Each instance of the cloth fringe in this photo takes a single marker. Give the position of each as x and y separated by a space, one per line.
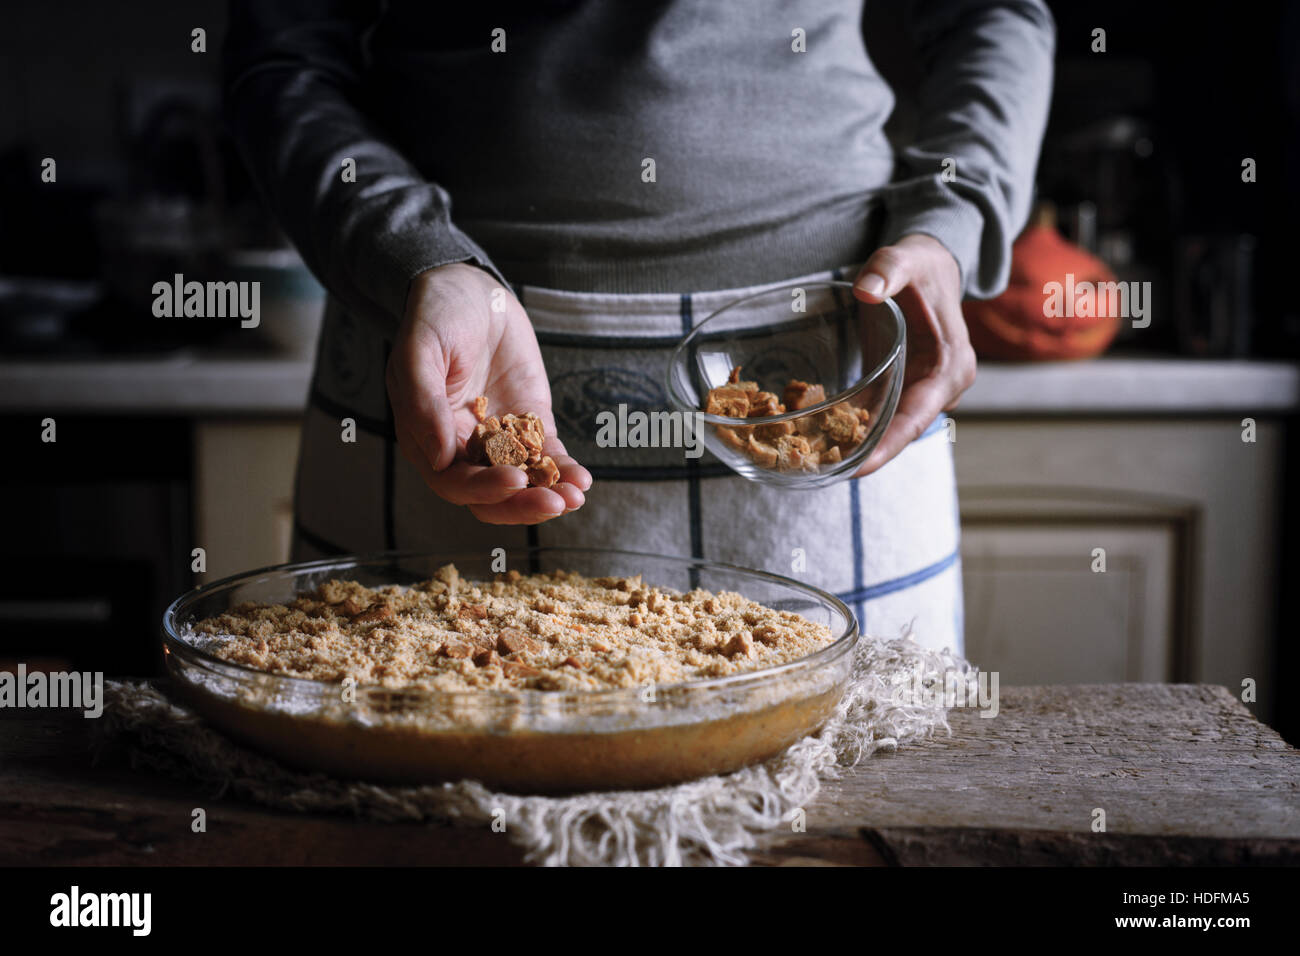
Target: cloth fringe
714 821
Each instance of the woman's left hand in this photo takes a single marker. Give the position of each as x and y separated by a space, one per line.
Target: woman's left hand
924 279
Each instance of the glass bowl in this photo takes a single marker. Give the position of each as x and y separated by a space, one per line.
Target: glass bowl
530 741
812 332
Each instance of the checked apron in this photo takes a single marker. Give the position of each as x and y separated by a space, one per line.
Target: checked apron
886 544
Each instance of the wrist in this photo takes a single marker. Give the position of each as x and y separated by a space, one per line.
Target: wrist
923 240
450 279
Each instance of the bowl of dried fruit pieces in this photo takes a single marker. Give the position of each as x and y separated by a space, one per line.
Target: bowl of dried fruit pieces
795 385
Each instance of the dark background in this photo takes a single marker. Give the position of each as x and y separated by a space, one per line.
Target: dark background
1183 93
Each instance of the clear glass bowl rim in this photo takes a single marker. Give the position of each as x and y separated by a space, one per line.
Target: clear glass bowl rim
840 645
678 358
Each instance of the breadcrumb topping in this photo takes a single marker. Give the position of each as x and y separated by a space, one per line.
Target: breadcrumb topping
553 631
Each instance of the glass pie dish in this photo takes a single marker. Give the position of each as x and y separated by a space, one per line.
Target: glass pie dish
531 741
828 367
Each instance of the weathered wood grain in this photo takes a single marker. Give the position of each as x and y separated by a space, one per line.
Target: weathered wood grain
1184 773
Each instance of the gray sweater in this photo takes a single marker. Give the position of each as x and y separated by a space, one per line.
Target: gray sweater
769 161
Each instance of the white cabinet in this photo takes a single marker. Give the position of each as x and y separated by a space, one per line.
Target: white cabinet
1037 613
1185 515
244 474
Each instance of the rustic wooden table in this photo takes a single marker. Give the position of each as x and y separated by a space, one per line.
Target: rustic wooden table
1184 774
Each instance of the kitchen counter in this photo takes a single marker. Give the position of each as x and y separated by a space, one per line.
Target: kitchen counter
179 383
194 384
1184 773
1110 386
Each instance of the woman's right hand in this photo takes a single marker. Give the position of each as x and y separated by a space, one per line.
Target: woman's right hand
465 335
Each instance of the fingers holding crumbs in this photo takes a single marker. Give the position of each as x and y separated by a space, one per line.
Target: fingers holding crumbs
518 441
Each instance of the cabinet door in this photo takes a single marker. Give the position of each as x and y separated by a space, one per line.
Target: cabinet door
1091 603
244 474
1190 485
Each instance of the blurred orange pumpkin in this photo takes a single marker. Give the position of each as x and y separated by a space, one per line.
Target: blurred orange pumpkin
1017 325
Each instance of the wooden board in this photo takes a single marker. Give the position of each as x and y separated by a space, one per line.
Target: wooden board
1184 773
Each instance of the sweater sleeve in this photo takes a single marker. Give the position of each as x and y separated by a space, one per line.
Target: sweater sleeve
292 79
967 177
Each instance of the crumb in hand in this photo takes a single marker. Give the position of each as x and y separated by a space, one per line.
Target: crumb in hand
515 440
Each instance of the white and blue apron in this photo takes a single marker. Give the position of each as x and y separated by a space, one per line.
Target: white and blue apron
886 544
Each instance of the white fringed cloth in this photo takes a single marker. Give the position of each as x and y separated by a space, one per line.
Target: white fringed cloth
713 821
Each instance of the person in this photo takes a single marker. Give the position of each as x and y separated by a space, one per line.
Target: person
619 171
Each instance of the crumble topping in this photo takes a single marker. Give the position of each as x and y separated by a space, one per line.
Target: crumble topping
552 631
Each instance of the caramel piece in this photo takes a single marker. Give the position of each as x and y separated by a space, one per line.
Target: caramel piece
808 426
773 430
732 439
734 379
528 431
764 454
840 424
503 448
763 404
792 453
802 395
516 669
544 474
456 650
376 612
728 403
511 640
738 644
516 440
